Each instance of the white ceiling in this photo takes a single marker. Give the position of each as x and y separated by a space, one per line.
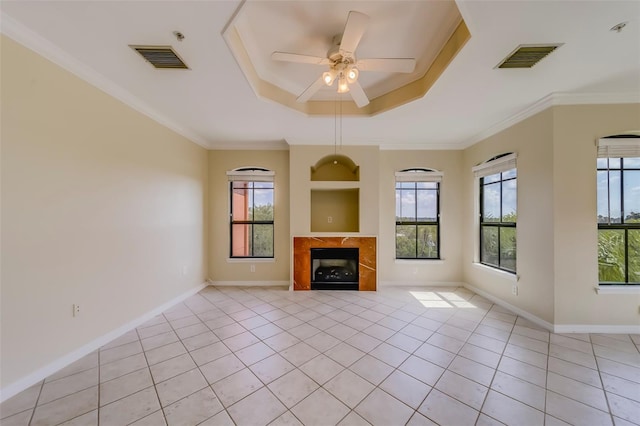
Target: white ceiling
214 105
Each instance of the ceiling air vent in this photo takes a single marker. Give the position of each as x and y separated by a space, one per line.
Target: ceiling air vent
161 57
527 55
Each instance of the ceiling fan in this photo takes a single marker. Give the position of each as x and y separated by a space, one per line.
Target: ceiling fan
343 65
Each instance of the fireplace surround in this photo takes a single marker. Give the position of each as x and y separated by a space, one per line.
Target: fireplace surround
303 271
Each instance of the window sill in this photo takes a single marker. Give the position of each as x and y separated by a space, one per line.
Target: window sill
251 259
618 289
418 261
502 274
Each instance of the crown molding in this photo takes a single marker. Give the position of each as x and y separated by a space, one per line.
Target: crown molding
33 41
251 146
553 99
432 146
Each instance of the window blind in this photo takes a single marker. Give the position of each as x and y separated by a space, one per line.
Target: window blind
419 176
498 165
250 176
618 147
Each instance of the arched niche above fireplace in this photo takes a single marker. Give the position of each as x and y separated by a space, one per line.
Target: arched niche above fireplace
335 167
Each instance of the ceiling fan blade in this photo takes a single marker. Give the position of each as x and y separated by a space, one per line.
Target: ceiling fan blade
358 95
357 24
311 90
405 65
302 59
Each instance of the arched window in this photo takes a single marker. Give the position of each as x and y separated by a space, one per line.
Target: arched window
251 216
418 213
498 211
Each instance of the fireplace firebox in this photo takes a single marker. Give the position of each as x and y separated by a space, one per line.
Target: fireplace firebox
334 269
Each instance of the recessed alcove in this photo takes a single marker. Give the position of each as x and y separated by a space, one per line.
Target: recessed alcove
334 168
335 210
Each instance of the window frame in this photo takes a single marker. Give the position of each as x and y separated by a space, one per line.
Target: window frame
422 175
622 225
250 175
499 164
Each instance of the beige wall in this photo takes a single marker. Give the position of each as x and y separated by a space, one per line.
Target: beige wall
576 128
221 269
302 158
404 272
101 207
532 140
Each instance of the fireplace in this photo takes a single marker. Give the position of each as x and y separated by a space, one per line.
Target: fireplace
303 273
334 268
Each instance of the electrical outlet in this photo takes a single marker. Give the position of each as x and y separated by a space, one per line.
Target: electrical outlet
252 268
76 310
514 290
329 219
184 270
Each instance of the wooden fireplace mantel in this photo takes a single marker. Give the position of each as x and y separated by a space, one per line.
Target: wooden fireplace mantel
302 259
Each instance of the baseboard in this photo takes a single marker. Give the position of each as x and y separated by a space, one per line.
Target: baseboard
58 364
249 283
529 316
559 328
596 328
420 284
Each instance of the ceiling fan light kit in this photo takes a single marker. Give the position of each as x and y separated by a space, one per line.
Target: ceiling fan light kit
342 62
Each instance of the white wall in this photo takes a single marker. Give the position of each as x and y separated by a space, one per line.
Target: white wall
422 272
101 207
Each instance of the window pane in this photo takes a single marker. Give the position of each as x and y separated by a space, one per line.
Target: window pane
407 206
398 205
632 163
614 163
427 241
509 174
427 185
240 237
601 163
634 255
491 178
508 248
240 204
406 185
263 185
489 245
427 206
405 241
614 195
509 201
263 240
631 192
611 248
263 204
603 197
491 203
241 184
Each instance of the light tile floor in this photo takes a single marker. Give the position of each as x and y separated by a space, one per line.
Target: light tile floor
422 356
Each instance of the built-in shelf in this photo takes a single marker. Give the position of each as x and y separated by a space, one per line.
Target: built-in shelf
335 210
335 195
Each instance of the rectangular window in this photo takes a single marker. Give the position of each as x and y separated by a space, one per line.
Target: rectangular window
618 201
418 214
498 212
251 224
